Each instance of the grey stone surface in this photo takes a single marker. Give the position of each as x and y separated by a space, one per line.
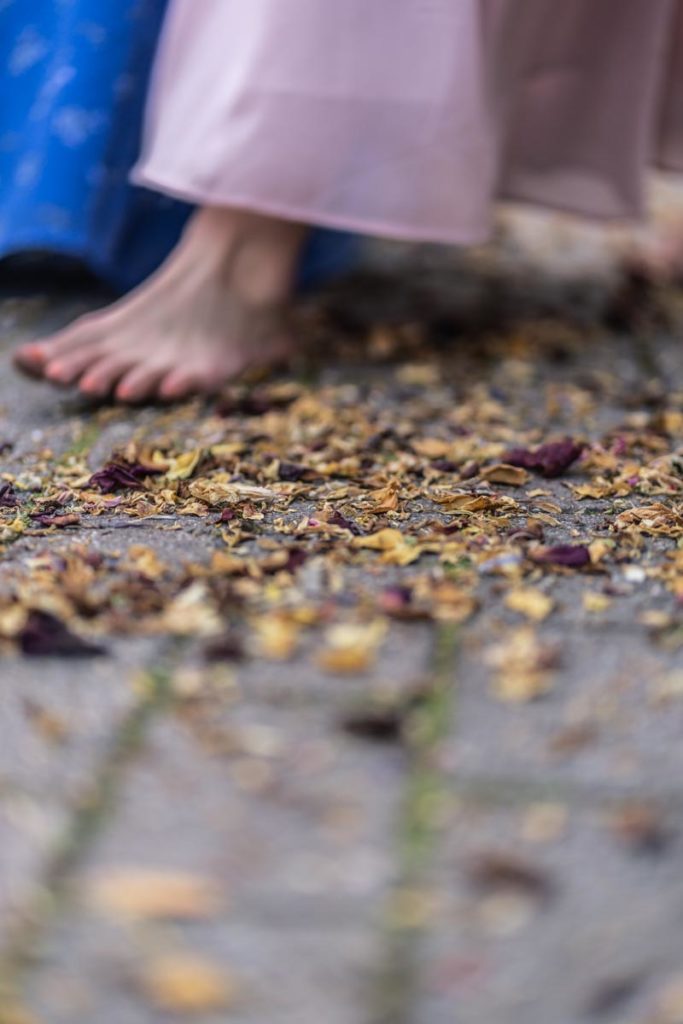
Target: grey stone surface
290 822
604 727
281 974
286 814
582 939
56 724
547 884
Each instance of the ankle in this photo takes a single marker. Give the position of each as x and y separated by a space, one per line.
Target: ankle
253 256
265 266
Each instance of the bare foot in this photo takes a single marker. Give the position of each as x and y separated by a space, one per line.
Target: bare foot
216 307
655 250
658 256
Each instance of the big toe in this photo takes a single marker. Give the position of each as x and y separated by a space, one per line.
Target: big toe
31 358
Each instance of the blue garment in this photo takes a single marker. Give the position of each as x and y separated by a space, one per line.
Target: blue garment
73 80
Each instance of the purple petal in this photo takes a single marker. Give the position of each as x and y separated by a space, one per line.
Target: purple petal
337 519
573 556
116 476
45 635
292 472
550 460
8 496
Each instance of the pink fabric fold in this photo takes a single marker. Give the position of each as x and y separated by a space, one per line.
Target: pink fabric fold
409 118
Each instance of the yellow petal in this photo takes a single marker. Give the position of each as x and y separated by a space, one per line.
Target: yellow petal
513 476
529 601
187 984
153 893
593 602
183 466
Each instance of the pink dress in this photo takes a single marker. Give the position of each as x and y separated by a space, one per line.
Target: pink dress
409 118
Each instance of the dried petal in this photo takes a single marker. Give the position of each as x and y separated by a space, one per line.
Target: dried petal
184 983
550 460
68 519
493 870
116 476
531 602
337 519
292 472
643 828
45 635
572 556
153 893
502 473
8 496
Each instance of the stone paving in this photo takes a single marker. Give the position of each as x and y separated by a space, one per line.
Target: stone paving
520 864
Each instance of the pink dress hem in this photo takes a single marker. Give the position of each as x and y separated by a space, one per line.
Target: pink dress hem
149 178
409 119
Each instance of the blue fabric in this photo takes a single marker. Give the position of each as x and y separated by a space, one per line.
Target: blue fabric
329 254
73 79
